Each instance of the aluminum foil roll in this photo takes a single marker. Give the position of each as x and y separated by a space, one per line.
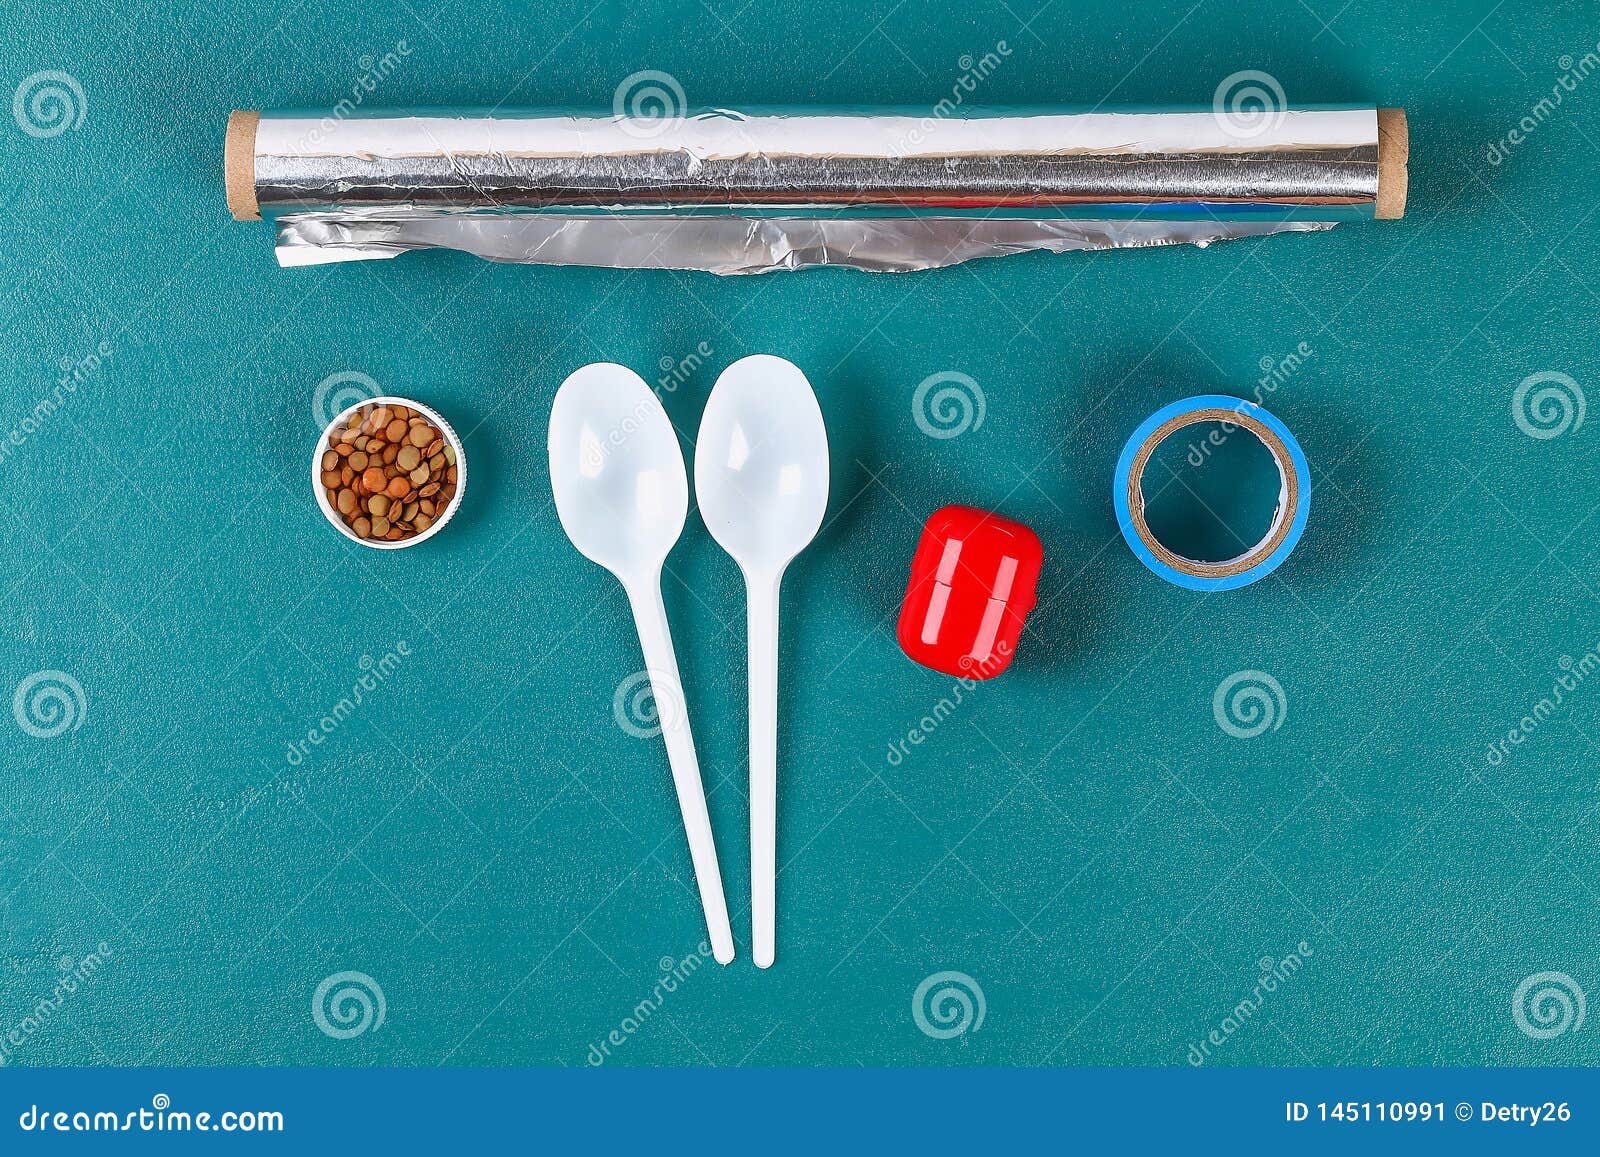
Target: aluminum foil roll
735 192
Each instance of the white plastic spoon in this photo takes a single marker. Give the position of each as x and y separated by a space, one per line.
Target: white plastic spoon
761 476
622 494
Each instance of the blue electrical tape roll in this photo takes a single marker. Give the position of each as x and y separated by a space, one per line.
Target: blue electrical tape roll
1288 521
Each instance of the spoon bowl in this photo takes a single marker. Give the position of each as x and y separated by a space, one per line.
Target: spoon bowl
616 470
761 463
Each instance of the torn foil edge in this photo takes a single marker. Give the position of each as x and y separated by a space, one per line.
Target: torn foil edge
731 245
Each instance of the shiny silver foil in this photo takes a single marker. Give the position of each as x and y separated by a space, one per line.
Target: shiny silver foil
750 193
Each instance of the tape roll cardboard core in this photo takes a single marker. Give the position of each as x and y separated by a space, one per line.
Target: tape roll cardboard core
1282 519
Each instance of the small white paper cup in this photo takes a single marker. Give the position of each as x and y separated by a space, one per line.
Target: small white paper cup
445 516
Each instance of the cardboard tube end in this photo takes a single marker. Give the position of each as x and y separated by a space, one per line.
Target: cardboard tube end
239 165
1394 151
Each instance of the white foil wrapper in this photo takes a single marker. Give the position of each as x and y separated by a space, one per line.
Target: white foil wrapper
734 192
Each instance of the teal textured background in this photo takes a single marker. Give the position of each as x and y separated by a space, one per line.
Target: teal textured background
1080 837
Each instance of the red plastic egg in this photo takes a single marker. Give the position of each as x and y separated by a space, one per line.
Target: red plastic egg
972 585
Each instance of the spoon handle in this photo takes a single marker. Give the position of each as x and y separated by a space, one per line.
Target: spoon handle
761 592
661 662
